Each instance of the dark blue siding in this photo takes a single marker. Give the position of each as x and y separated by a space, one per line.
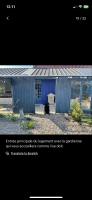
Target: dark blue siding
47 86
23 90
63 95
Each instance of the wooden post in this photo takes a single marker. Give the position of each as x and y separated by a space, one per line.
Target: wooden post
21 114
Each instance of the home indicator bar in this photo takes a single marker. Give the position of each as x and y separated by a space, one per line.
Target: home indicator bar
45 197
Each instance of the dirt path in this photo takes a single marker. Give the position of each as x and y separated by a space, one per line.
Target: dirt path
47 124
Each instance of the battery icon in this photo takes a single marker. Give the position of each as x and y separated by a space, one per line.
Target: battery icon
86 6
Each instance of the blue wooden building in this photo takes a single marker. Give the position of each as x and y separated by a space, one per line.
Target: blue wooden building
30 85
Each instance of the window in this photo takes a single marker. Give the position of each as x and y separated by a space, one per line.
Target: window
81 91
38 88
5 88
86 95
75 92
75 89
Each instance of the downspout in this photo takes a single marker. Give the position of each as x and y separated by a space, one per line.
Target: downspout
12 91
91 101
81 93
56 80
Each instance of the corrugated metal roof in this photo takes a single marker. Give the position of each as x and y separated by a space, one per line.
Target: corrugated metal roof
45 71
12 71
63 66
65 71
16 66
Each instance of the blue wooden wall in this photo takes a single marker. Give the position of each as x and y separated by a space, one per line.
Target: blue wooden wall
63 95
23 90
47 86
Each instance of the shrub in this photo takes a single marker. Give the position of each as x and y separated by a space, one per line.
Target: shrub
76 111
87 119
27 124
30 124
9 116
12 117
2 115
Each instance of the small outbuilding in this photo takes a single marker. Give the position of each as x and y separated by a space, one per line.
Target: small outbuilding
27 86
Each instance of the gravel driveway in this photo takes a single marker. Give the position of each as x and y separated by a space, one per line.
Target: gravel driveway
47 124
